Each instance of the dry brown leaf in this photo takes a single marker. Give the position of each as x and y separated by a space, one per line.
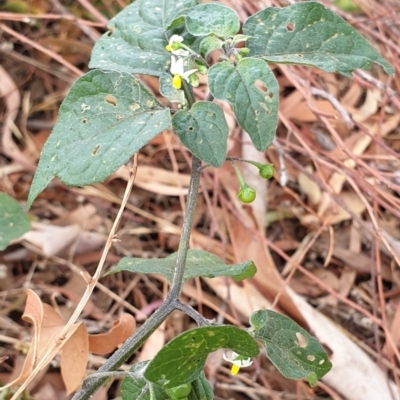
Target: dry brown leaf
306 286
85 216
157 180
74 291
353 202
74 358
53 240
309 187
295 107
47 324
105 343
47 329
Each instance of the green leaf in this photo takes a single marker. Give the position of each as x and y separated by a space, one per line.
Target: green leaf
209 44
183 358
212 19
251 89
168 91
204 131
293 351
105 119
180 392
135 386
310 34
137 38
198 263
201 389
13 220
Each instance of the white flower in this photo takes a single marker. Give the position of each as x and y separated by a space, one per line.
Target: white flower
178 71
237 361
174 46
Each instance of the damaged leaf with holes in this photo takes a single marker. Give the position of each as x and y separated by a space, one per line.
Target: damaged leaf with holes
293 351
204 131
310 34
137 37
212 19
252 90
182 360
104 120
135 386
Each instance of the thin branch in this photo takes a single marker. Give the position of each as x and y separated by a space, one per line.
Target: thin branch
170 303
179 267
192 313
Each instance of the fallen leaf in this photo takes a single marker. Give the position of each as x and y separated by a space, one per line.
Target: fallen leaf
74 356
309 187
47 324
105 343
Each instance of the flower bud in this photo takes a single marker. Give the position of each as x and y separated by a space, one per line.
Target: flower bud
201 67
244 51
193 80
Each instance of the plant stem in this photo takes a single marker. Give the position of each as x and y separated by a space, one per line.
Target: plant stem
125 351
191 312
169 305
172 301
242 182
179 267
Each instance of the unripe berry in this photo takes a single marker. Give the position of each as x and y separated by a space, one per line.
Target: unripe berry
266 171
247 194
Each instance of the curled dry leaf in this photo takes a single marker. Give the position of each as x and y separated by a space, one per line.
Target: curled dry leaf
74 358
105 343
75 344
46 340
47 326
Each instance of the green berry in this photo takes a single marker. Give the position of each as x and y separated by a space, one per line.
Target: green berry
266 171
247 194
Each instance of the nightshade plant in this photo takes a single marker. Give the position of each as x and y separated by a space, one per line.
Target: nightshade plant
109 115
